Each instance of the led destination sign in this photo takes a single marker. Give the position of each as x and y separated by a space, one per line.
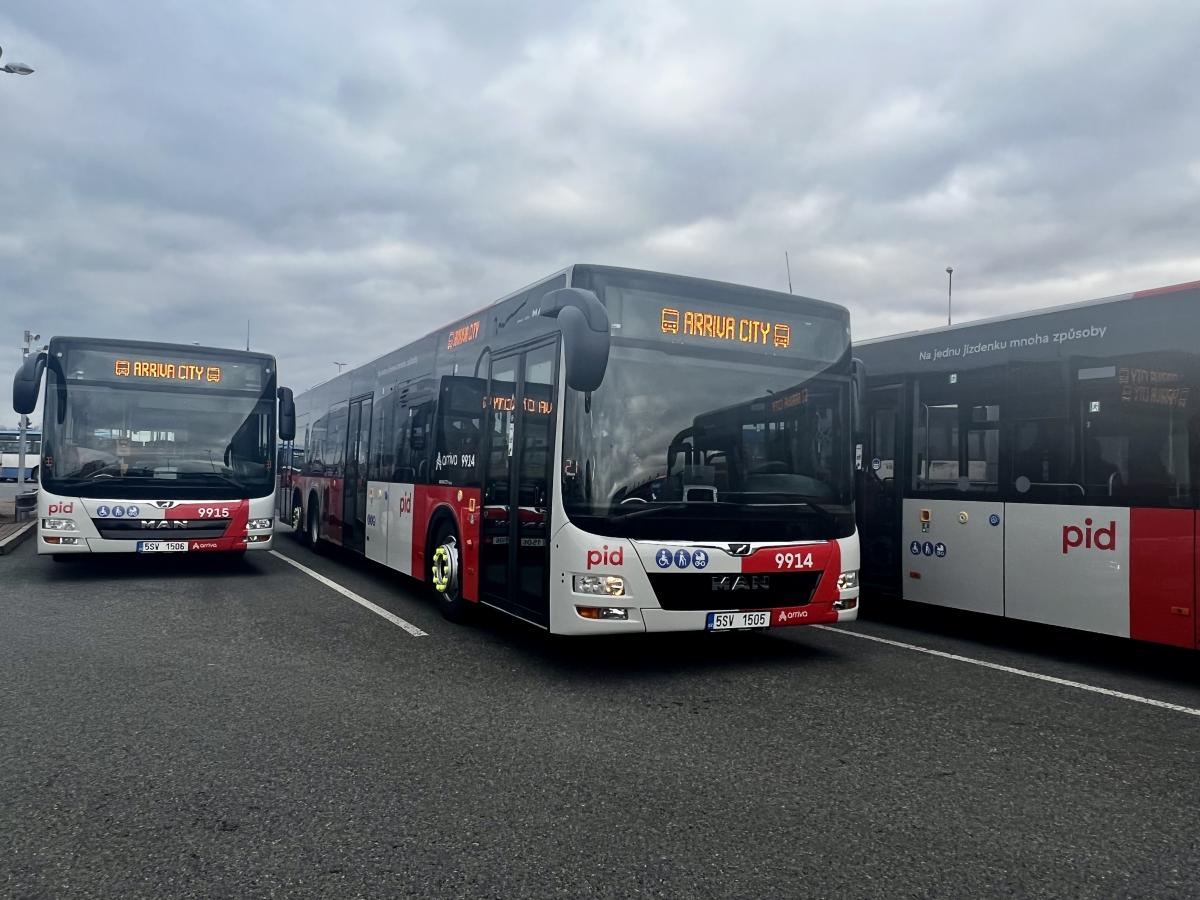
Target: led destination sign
782 333
739 329
124 368
165 370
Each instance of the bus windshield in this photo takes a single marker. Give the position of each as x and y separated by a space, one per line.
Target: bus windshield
678 446
156 438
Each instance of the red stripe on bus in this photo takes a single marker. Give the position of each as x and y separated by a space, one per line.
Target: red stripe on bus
235 532
1162 576
464 504
1170 289
826 559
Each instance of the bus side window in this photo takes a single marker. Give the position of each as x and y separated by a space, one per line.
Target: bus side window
1134 435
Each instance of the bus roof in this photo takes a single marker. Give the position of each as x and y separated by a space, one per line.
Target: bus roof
832 309
155 345
1029 314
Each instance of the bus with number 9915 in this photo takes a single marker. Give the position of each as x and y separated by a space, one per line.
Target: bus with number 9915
152 447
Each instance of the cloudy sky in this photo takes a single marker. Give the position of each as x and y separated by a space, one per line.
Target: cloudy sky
350 175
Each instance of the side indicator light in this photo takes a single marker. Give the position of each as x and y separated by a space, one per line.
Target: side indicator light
916 576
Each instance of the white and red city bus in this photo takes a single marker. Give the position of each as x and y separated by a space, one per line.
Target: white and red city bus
154 448
605 451
1042 466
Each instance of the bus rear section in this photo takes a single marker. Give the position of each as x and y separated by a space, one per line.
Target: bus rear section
701 479
1042 467
153 448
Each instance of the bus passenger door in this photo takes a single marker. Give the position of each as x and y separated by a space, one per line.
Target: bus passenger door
500 432
358 433
517 484
879 501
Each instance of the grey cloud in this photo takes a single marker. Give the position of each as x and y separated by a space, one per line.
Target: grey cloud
350 179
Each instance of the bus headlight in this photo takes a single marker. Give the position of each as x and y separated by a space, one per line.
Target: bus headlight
606 585
258 524
848 581
59 525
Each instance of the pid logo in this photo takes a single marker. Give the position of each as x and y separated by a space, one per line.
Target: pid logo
1092 539
406 506
65 509
606 557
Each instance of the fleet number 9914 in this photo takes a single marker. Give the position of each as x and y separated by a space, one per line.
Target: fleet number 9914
794 560
212 512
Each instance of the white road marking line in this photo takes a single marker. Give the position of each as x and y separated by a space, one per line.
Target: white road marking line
346 592
1120 695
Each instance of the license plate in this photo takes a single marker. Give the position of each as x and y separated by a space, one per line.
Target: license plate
162 546
738 620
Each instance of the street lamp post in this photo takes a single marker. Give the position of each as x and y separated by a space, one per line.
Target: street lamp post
15 68
949 290
24 424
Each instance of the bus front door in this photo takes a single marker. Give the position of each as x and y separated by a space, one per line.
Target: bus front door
516 526
880 503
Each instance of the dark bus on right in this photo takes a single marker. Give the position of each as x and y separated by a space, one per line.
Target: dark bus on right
1041 466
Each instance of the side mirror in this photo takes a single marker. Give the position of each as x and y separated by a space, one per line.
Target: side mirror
858 393
287 415
583 321
27 382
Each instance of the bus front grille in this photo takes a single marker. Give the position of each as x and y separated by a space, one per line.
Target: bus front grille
721 590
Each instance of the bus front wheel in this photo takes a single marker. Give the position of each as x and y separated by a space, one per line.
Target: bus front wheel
444 575
296 518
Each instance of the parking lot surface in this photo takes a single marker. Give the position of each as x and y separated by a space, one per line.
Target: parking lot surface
206 727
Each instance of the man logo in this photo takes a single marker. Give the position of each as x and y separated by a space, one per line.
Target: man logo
741 582
164 504
739 549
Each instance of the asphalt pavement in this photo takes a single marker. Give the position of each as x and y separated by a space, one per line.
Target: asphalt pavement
196 727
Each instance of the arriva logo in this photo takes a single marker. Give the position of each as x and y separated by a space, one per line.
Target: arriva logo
791 615
1092 539
615 557
66 509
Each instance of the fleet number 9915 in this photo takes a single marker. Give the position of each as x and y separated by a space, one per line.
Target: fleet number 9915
794 560
212 512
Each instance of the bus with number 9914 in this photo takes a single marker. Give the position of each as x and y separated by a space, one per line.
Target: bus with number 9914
605 451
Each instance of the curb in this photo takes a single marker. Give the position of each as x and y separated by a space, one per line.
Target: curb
10 543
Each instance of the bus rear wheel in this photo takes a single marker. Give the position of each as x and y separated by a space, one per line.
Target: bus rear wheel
444 575
312 534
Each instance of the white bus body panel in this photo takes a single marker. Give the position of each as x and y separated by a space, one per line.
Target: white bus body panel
397 529
1069 565
576 552
958 560
82 512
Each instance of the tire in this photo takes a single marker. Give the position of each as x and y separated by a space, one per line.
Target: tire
312 534
297 518
444 575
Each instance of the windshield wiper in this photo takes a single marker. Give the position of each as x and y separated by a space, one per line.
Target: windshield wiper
201 477
640 512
